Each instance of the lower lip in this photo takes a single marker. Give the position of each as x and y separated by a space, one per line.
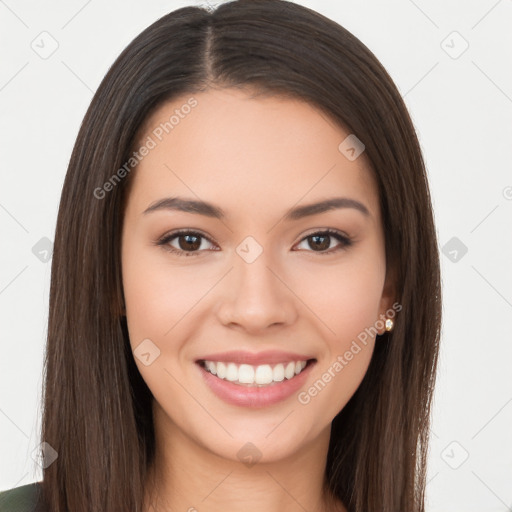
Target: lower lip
245 396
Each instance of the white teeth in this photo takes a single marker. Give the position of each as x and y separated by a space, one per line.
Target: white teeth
232 372
260 375
290 370
278 373
263 374
211 367
221 370
246 374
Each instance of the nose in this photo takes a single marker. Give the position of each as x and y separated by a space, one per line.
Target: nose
255 296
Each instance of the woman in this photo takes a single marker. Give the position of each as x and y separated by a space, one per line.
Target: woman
245 295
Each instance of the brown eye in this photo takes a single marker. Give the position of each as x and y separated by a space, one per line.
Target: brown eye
189 243
321 241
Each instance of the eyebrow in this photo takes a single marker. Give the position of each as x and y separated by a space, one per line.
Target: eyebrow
209 210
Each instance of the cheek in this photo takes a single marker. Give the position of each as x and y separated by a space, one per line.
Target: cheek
345 301
151 292
157 292
344 298
157 299
350 311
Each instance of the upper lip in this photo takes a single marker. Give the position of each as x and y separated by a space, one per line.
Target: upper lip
265 357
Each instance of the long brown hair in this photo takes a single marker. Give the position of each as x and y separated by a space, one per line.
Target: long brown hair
96 408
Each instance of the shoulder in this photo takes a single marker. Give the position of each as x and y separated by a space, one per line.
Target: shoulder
20 499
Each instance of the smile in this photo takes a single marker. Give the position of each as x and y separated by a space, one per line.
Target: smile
255 385
256 376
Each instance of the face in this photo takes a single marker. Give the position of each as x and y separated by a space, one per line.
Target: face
242 287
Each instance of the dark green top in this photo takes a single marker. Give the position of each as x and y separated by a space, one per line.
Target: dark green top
20 499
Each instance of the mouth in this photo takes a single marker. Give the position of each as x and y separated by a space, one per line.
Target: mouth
255 381
256 376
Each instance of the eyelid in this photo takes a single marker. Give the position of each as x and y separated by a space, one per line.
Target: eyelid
167 237
330 231
164 240
344 239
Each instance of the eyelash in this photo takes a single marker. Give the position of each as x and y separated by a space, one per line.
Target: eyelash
164 241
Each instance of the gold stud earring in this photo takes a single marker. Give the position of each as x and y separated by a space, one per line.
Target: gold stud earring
389 324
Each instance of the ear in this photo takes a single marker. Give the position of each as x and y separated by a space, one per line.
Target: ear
387 300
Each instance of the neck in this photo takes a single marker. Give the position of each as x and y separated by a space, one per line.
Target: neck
189 477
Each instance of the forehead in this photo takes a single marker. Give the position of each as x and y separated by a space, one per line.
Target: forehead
238 150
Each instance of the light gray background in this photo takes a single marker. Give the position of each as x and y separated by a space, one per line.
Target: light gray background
461 104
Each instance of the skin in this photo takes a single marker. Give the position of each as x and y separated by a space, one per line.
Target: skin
255 158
